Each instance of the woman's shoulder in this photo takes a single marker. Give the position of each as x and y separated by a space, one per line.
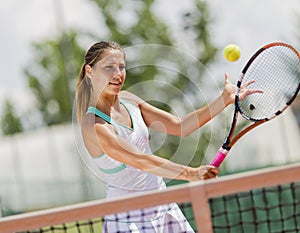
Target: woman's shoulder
89 133
89 121
130 97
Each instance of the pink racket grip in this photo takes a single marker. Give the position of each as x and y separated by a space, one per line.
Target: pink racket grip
219 157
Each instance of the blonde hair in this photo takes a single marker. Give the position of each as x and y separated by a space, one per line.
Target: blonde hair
84 86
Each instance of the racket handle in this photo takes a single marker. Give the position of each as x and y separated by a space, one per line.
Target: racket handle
219 157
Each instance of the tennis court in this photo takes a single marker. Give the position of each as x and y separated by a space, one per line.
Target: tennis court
265 200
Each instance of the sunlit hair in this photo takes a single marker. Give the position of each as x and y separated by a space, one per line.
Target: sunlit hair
84 86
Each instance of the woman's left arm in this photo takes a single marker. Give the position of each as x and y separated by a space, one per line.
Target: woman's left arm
163 121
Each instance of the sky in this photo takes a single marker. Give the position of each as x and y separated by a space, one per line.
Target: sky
250 24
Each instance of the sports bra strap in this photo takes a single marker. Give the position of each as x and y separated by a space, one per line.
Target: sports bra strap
98 113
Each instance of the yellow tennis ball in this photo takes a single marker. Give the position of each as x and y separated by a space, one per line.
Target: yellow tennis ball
232 52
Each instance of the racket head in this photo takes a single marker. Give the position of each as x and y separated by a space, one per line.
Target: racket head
276 71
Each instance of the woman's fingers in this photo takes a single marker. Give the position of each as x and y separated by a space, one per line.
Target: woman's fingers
208 171
245 92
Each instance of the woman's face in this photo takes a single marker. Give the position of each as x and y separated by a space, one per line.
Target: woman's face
108 75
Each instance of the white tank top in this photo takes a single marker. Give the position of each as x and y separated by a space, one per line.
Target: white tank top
120 178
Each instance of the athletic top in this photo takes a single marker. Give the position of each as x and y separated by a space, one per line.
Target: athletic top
120 178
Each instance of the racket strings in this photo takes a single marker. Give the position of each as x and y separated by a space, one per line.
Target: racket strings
276 71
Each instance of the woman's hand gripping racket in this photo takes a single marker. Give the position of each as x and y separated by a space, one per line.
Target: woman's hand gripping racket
276 71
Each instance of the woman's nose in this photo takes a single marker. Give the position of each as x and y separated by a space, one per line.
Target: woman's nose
118 71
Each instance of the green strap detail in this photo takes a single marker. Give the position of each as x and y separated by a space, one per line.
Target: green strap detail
113 170
107 118
99 156
97 112
129 116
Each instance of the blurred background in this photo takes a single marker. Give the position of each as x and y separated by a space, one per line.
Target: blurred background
43 45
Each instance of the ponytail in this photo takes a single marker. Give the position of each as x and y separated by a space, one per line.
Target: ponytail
83 94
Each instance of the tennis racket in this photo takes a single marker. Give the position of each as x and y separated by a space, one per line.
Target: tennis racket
276 70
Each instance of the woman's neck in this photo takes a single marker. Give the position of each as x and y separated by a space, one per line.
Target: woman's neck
105 104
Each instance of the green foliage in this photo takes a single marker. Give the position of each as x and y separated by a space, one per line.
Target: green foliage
10 123
197 25
144 26
57 63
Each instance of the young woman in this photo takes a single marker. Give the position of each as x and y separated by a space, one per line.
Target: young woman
114 128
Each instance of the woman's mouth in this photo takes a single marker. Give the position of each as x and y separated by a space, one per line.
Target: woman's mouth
115 83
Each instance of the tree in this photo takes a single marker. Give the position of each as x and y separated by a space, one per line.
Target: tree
52 76
10 122
197 23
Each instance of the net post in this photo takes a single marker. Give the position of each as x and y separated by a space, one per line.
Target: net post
201 208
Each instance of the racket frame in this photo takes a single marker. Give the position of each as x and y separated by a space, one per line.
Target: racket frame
230 141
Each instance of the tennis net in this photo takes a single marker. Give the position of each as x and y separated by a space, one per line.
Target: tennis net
265 200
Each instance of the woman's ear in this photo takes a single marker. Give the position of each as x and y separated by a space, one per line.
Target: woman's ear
88 71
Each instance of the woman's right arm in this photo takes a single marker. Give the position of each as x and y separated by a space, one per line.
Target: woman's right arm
123 151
